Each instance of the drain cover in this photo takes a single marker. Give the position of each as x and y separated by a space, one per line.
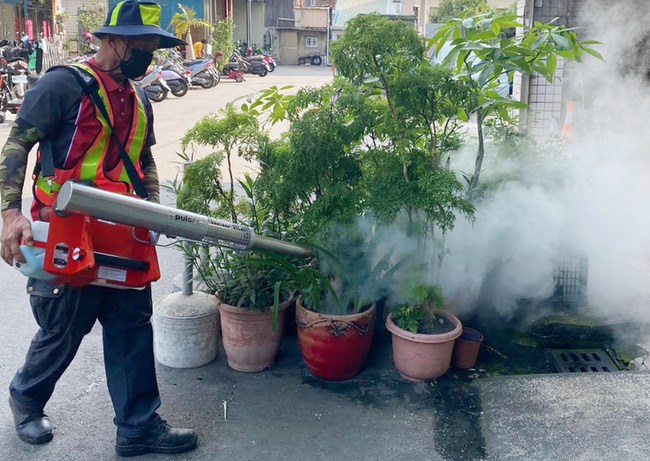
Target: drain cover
583 361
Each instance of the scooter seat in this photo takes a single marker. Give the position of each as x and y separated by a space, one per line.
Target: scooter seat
191 63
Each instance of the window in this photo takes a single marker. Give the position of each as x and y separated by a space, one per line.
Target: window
311 42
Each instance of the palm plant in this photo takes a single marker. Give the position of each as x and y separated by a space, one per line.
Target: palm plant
183 24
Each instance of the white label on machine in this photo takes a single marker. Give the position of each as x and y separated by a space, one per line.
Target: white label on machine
61 252
19 78
110 273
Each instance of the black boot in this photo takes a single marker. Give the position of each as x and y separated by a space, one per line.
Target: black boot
160 439
33 426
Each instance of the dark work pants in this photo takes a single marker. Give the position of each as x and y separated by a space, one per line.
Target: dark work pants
65 315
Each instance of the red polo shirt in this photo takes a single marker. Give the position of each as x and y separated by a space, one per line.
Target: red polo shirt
122 99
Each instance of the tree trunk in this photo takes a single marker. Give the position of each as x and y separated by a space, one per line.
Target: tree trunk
189 48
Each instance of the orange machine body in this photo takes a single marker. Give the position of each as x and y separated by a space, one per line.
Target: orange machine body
82 250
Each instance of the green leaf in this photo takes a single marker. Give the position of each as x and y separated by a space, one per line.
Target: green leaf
538 41
276 305
561 41
462 115
551 63
496 28
594 53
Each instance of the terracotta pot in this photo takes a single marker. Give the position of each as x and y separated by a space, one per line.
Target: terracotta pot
420 356
334 347
250 343
466 349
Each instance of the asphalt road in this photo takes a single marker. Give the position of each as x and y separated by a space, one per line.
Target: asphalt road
174 116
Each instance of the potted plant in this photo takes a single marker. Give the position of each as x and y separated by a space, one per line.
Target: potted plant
253 295
423 338
253 301
335 321
336 306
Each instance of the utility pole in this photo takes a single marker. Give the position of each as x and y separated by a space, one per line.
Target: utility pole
249 23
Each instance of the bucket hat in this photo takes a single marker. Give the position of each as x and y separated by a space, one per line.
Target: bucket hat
131 18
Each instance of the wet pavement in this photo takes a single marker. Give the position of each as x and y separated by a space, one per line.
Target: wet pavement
284 413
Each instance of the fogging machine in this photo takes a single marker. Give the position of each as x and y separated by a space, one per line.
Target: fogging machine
104 238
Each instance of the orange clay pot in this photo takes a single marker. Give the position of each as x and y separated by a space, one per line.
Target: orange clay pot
466 349
248 338
418 357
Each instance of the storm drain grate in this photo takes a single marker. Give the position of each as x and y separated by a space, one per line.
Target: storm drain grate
583 361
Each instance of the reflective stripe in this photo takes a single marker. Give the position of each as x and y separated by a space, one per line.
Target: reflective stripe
92 162
137 136
116 13
150 14
44 185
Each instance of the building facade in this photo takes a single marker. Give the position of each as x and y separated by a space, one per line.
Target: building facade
25 17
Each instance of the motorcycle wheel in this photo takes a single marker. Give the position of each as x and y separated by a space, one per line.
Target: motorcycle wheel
3 101
209 80
270 67
158 93
216 77
180 89
261 71
316 60
2 117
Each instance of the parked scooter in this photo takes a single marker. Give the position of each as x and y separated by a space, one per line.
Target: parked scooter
201 71
19 78
154 85
270 63
177 83
239 64
14 81
265 58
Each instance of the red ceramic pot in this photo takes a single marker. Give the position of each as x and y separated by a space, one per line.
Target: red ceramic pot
334 347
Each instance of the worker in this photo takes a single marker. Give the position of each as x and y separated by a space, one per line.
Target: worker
199 48
105 140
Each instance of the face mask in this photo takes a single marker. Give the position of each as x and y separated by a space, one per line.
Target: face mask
136 66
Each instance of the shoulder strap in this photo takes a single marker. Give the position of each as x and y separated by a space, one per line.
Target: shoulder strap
90 86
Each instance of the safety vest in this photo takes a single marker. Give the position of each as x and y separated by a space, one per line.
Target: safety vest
92 166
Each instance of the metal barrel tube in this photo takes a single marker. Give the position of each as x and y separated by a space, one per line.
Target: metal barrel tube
279 246
83 199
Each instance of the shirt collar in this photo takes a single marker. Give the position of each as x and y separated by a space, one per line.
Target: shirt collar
110 84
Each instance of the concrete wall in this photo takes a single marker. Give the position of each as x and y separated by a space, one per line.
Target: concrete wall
287 46
257 21
312 18
293 45
277 9
319 36
7 21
